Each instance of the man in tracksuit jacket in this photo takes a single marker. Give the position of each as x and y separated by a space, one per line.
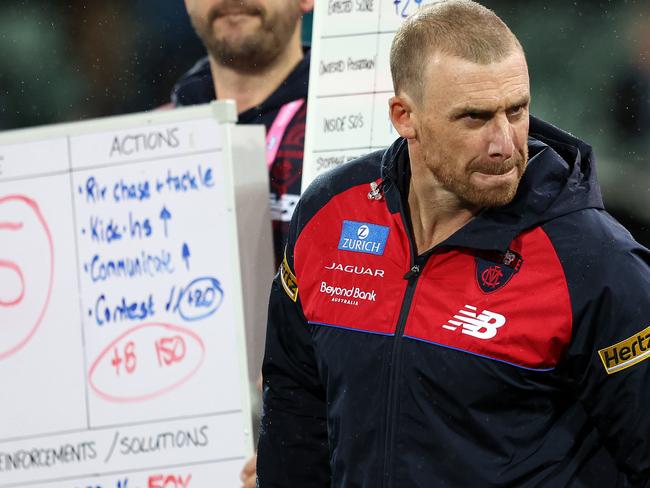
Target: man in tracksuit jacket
443 317
255 57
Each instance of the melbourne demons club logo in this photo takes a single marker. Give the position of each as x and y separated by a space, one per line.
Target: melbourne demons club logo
494 269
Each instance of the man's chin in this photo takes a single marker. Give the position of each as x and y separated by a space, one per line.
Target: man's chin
494 190
494 197
245 53
491 196
236 30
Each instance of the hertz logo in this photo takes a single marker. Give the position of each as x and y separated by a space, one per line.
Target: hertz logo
626 353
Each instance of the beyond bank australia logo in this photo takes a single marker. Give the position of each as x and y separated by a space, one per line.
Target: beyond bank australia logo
363 237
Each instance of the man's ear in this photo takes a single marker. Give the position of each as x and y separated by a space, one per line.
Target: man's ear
400 110
306 5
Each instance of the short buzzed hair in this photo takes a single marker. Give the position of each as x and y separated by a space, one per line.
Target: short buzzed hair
461 28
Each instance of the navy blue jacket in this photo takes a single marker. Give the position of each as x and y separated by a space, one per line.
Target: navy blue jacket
285 174
511 354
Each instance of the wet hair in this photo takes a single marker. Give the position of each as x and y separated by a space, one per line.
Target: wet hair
461 28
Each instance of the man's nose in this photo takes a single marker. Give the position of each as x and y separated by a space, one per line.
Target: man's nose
501 139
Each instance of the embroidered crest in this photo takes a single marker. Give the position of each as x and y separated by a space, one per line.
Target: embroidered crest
494 270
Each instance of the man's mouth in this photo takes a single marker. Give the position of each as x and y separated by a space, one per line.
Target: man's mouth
235 10
231 13
484 179
494 170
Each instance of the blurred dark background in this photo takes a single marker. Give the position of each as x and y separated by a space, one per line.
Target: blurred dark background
589 62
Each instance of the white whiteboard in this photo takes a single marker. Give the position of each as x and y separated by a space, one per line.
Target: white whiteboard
123 297
349 80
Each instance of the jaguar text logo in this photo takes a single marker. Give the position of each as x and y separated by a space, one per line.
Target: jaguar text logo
354 269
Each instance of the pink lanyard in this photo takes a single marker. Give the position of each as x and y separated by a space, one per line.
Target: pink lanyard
279 127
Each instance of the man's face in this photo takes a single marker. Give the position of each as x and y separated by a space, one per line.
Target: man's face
473 127
246 35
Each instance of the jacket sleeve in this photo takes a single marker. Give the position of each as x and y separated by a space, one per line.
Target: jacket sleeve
293 446
609 356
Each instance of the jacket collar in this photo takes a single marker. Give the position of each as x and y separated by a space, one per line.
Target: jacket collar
559 179
197 87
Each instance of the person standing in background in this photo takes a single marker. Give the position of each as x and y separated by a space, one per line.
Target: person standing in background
256 58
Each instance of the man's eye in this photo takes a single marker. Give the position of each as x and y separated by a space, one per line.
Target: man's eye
477 115
516 110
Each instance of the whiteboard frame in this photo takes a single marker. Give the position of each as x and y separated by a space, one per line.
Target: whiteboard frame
240 144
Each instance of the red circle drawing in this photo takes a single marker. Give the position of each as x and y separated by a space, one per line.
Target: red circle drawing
167 380
6 350
16 269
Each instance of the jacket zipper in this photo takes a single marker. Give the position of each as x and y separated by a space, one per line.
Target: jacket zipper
412 275
391 412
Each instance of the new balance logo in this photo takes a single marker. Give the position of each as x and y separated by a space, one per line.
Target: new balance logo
483 325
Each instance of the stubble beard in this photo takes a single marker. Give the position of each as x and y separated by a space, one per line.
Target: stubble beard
254 52
458 182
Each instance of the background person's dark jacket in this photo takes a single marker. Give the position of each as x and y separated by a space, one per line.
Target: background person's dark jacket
197 87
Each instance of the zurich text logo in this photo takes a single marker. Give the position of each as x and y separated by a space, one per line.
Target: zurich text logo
363 237
363 231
